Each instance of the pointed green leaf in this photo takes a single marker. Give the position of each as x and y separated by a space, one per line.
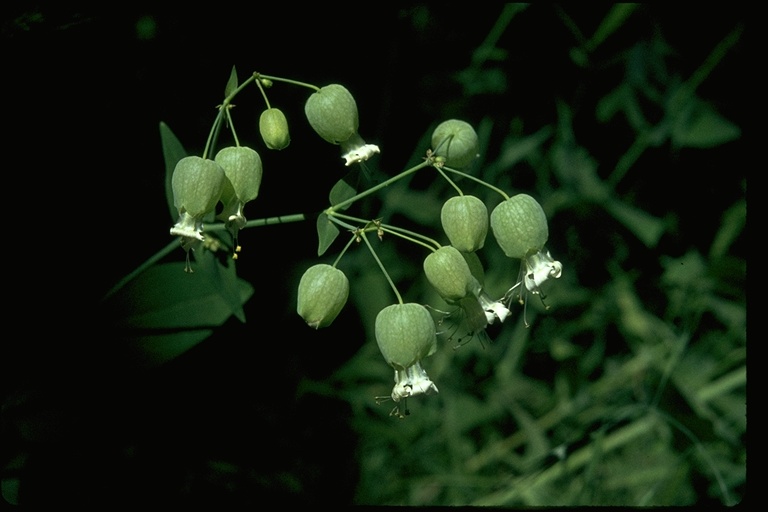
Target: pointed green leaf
232 83
173 151
166 297
224 279
326 233
343 189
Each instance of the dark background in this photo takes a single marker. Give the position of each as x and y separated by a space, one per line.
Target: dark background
85 91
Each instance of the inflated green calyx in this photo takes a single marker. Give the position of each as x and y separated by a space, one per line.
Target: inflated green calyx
465 222
197 184
332 113
448 271
323 292
519 226
456 141
273 127
243 168
406 334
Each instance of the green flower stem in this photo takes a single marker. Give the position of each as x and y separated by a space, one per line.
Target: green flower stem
263 93
478 180
381 266
386 183
232 127
406 234
285 80
172 246
224 107
344 250
214 133
266 221
411 236
449 180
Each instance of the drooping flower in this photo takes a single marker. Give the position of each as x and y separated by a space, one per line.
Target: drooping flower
406 334
448 271
332 113
520 227
197 184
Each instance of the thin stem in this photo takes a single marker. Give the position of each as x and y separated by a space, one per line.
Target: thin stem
478 180
344 250
224 107
172 246
266 221
401 232
449 180
214 133
263 93
381 266
411 236
232 127
285 80
386 183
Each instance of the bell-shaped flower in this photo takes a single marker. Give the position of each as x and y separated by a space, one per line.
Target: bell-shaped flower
520 227
406 334
197 184
243 170
332 113
449 272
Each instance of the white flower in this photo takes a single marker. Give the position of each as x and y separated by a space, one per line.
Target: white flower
409 382
412 381
539 267
355 150
188 227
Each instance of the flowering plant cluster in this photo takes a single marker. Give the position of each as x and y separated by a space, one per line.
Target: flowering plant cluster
210 192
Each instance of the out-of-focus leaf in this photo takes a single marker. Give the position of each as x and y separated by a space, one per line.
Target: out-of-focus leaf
422 207
733 223
647 228
576 168
516 149
611 23
166 297
482 81
703 127
173 151
326 233
612 103
155 349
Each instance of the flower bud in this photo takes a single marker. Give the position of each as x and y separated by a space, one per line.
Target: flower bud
323 291
273 127
406 334
242 166
465 222
520 226
332 113
456 141
448 271
196 183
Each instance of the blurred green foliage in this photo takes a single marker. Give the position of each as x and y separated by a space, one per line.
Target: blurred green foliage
646 398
